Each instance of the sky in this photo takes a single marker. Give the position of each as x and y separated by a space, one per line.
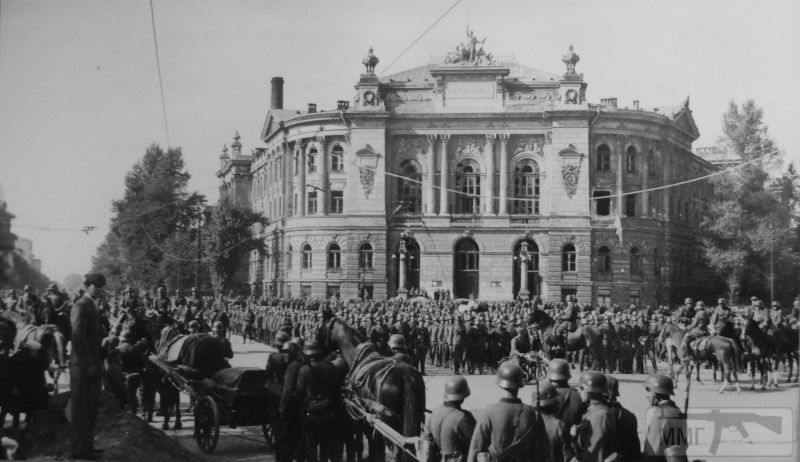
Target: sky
80 102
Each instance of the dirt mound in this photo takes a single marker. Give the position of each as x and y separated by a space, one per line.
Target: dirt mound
121 435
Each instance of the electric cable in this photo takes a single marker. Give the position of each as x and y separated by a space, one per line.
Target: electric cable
160 78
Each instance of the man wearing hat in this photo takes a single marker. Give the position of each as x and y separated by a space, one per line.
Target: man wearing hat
666 432
449 428
85 366
595 437
546 398
628 437
317 387
570 404
508 430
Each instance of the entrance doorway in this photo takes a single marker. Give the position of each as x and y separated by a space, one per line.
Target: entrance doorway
466 267
534 280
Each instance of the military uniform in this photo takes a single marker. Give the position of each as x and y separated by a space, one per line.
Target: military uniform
627 434
507 423
449 429
316 385
667 428
570 407
596 434
290 411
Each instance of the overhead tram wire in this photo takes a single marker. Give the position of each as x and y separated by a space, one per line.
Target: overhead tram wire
160 78
386 69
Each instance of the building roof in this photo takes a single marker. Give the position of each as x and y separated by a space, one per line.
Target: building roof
517 72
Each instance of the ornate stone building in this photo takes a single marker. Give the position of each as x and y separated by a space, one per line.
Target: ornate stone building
468 172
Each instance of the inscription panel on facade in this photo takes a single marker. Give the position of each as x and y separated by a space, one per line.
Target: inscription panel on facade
470 90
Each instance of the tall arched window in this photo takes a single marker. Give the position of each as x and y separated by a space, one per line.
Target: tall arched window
312 160
603 161
603 260
468 184
307 256
409 191
630 160
289 258
337 158
334 256
365 256
526 187
636 261
569 258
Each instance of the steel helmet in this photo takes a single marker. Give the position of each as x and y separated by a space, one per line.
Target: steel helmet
218 327
660 384
456 389
397 341
546 394
510 376
194 325
594 382
280 339
291 347
613 386
312 348
559 369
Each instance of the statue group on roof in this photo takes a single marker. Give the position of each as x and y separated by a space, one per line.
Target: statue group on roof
470 52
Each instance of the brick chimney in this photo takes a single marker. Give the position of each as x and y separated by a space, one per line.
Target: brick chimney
610 103
342 104
312 108
276 93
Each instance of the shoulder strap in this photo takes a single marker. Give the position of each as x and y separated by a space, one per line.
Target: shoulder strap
517 442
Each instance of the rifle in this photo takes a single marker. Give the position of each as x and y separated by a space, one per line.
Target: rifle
736 420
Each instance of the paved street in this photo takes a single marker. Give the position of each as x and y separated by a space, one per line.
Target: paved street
244 444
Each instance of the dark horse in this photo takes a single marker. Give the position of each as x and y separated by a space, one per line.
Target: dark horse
585 340
759 351
393 390
722 349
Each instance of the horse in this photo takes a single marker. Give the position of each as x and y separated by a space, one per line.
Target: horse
759 349
393 390
47 337
714 347
585 340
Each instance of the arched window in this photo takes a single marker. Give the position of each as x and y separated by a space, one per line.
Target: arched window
307 256
603 160
468 184
337 158
409 193
603 260
630 160
636 261
334 256
365 256
526 187
569 258
312 160
289 258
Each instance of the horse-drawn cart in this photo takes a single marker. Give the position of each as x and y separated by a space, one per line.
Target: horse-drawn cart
234 397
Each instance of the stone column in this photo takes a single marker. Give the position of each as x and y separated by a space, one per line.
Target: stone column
503 173
620 154
322 194
645 181
401 270
524 259
302 189
430 191
444 195
488 190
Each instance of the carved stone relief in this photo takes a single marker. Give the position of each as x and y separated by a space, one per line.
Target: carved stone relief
410 146
533 143
470 145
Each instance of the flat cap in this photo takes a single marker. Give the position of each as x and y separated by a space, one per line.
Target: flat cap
95 279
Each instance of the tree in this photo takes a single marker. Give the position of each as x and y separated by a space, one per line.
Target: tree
156 207
230 240
746 223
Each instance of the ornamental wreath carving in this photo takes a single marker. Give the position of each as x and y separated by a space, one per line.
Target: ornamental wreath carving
570 174
367 176
367 166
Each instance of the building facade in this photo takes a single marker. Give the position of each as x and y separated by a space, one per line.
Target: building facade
480 176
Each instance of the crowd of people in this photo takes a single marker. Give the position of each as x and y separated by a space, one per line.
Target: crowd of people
111 334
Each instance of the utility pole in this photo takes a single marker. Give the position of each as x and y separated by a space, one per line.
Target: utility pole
199 250
771 261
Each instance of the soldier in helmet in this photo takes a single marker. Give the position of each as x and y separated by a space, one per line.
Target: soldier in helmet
508 430
570 404
449 428
698 328
547 399
317 386
665 436
595 437
290 407
685 313
628 437
218 332
397 343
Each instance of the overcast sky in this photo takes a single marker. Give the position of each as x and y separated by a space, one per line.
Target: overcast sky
79 98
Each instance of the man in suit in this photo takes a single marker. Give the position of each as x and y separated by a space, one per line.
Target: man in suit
85 367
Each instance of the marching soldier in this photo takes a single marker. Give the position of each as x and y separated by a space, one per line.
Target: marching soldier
449 428
627 435
458 342
508 430
570 404
666 430
218 332
316 386
547 398
595 437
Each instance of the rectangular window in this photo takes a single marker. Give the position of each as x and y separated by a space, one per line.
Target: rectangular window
635 299
312 163
630 205
305 290
337 201
602 203
311 208
604 300
333 290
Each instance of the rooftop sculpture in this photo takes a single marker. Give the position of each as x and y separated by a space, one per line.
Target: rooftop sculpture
470 52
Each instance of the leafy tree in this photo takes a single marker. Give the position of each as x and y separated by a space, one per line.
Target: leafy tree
230 241
155 208
747 225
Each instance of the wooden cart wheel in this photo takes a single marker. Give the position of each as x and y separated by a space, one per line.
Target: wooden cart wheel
269 434
206 424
